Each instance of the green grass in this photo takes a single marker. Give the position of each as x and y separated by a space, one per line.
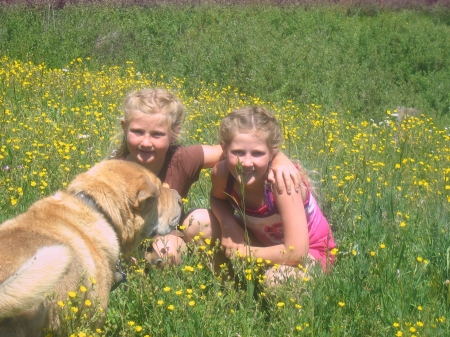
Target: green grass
344 58
384 185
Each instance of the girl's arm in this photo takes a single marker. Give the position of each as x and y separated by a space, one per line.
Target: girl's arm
295 231
232 235
212 155
283 173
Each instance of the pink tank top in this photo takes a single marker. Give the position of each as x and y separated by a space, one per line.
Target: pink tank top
265 223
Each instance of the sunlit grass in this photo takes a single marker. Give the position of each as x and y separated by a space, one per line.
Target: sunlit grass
383 184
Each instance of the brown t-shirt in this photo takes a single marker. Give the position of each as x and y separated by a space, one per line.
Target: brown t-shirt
182 167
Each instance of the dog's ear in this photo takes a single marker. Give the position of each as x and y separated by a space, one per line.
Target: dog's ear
148 188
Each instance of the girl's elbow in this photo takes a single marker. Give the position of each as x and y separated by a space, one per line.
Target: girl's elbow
297 255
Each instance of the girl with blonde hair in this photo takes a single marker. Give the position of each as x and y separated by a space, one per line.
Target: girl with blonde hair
152 122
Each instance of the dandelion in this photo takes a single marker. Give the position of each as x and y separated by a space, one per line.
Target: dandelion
191 303
399 334
188 268
341 304
298 328
160 302
138 328
72 294
166 289
334 251
61 304
419 259
382 246
171 307
74 309
88 303
83 289
131 323
373 253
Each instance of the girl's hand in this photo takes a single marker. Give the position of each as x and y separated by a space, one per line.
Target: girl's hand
230 247
284 175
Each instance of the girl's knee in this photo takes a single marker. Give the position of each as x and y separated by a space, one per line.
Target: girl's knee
199 222
167 250
280 274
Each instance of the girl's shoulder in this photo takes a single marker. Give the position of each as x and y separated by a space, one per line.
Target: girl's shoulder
219 177
302 195
189 153
220 170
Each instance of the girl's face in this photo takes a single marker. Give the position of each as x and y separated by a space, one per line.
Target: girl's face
148 140
253 154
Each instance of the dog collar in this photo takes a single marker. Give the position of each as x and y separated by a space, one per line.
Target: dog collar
119 275
89 201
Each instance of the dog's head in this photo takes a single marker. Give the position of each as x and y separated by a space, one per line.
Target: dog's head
133 198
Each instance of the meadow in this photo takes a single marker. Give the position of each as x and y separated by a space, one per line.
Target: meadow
382 173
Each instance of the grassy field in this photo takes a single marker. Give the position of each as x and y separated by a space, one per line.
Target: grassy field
383 180
363 59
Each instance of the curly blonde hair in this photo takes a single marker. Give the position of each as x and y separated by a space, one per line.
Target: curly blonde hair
151 101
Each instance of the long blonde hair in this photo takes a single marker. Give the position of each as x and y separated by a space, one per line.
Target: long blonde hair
150 101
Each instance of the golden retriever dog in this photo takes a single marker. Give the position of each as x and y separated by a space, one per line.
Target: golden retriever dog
74 238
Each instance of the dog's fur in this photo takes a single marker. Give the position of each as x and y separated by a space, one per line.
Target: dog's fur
74 238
